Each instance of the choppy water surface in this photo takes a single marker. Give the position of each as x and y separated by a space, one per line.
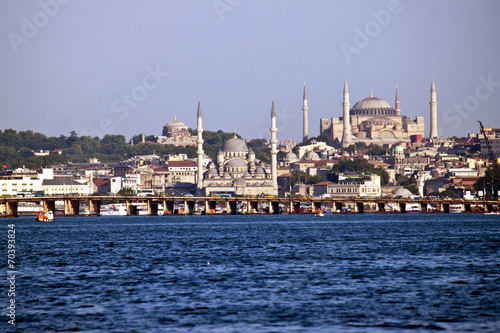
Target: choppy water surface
343 273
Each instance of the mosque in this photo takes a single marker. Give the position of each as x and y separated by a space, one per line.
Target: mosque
176 133
373 120
236 169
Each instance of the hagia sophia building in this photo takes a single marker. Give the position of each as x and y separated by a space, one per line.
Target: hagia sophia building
373 120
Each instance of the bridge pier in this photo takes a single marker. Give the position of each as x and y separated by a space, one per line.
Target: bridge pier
337 206
401 207
49 205
295 207
153 208
189 206
488 208
11 209
210 206
274 207
315 206
359 207
168 207
95 207
232 207
253 206
71 207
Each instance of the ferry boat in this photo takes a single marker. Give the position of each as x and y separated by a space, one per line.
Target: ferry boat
455 208
45 216
114 209
412 208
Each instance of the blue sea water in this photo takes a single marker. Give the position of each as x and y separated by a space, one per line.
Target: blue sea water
291 273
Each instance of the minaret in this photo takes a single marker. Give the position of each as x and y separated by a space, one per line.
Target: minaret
433 104
346 137
199 141
274 151
304 109
398 110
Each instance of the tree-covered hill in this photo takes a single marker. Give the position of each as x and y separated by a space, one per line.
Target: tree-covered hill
18 149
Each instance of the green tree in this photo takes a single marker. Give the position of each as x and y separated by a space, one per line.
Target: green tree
26 152
358 165
448 194
490 182
409 183
350 149
126 191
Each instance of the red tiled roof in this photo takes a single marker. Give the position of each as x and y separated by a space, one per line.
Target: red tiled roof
178 164
101 182
285 175
325 183
160 169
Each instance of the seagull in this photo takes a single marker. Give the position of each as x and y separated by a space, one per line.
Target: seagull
208 262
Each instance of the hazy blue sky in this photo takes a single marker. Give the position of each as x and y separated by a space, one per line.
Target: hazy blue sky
128 67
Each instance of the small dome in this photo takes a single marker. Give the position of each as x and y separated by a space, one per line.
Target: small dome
311 156
211 172
239 182
291 157
402 192
236 162
235 144
398 149
260 171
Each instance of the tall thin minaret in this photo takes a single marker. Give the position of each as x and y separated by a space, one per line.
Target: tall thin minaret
433 104
199 141
304 109
346 137
274 151
398 110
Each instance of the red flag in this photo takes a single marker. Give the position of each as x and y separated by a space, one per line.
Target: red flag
5 166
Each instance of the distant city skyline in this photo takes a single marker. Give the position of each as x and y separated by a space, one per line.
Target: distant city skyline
130 67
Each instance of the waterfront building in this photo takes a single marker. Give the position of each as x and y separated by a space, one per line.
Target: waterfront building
351 186
182 171
19 181
66 186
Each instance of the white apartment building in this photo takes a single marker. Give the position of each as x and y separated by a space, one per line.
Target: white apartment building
353 186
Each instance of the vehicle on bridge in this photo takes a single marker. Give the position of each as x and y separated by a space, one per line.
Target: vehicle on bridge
223 194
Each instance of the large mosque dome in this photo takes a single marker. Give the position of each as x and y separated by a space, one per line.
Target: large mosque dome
372 106
176 125
235 144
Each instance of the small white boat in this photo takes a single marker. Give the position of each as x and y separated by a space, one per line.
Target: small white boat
493 213
319 213
45 216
